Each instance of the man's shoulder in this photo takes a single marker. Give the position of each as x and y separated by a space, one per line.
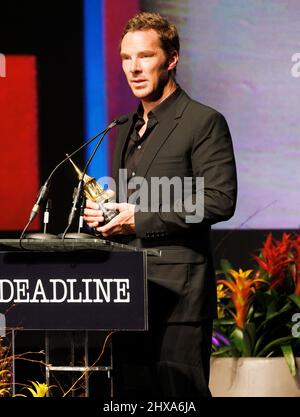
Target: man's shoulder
199 113
200 107
185 105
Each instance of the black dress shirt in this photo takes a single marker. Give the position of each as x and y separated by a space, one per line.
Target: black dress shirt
136 144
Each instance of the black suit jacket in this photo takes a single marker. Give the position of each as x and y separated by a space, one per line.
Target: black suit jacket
193 140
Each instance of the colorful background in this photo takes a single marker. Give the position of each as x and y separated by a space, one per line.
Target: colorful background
64 83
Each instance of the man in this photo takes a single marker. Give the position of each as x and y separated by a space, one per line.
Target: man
170 135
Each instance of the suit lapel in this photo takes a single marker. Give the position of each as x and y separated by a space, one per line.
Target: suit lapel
161 134
122 135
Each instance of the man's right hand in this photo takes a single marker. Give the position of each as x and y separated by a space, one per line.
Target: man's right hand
92 215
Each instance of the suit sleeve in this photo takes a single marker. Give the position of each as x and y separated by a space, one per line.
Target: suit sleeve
213 193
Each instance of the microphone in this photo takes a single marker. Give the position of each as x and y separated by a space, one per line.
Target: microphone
41 196
76 196
46 214
77 191
43 192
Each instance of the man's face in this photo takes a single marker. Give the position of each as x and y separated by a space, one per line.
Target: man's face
145 64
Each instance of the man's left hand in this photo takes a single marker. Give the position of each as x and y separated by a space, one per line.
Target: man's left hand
122 224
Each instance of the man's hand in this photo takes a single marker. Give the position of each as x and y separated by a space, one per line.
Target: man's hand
122 224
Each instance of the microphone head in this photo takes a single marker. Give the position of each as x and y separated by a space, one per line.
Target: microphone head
121 120
118 121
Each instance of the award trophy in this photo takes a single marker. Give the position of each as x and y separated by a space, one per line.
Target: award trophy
94 192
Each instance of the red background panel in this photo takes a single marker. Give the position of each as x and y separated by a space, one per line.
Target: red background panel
18 142
120 99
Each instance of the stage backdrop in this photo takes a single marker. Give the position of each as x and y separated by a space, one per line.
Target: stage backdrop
61 82
243 58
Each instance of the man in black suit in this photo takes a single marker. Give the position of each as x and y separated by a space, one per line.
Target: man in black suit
169 137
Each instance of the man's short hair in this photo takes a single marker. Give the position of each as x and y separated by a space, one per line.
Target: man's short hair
167 32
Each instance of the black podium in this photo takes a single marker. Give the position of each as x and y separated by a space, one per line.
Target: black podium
72 287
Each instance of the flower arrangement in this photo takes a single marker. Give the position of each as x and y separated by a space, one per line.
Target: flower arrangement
258 309
39 389
6 370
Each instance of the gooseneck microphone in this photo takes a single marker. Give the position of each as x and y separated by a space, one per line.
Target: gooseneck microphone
43 192
78 189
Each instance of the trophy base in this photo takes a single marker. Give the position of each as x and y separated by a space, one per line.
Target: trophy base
76 236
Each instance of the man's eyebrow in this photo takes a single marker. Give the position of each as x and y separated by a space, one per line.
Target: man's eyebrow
143 52
147 51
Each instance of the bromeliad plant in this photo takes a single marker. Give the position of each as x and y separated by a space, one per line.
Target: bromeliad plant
5 370
256 307
39 389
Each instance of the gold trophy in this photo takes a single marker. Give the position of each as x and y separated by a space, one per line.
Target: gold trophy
94 192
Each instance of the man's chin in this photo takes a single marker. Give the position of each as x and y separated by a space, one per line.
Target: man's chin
140 92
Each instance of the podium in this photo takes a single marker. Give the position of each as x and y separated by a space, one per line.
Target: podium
75 286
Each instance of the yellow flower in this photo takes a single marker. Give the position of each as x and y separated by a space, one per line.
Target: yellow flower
221 293
221 312
40 389
241 289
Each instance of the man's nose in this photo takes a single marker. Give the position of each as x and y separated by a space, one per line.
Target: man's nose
135 65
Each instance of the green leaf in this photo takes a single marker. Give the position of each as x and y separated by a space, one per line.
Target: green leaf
249 338
243 339
258 344
289 358
274 316
237 338
224 351
296 299
225 322
274 343
274 328
271 309
225 265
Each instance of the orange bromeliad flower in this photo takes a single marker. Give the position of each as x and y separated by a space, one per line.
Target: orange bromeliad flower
242 287
275 258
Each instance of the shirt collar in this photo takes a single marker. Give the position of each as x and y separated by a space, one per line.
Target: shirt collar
160 110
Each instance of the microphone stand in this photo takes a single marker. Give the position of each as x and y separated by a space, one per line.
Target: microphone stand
108 214
78 234
77 195
80 221
44 235
43 192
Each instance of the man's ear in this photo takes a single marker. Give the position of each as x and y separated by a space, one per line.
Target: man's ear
173 60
